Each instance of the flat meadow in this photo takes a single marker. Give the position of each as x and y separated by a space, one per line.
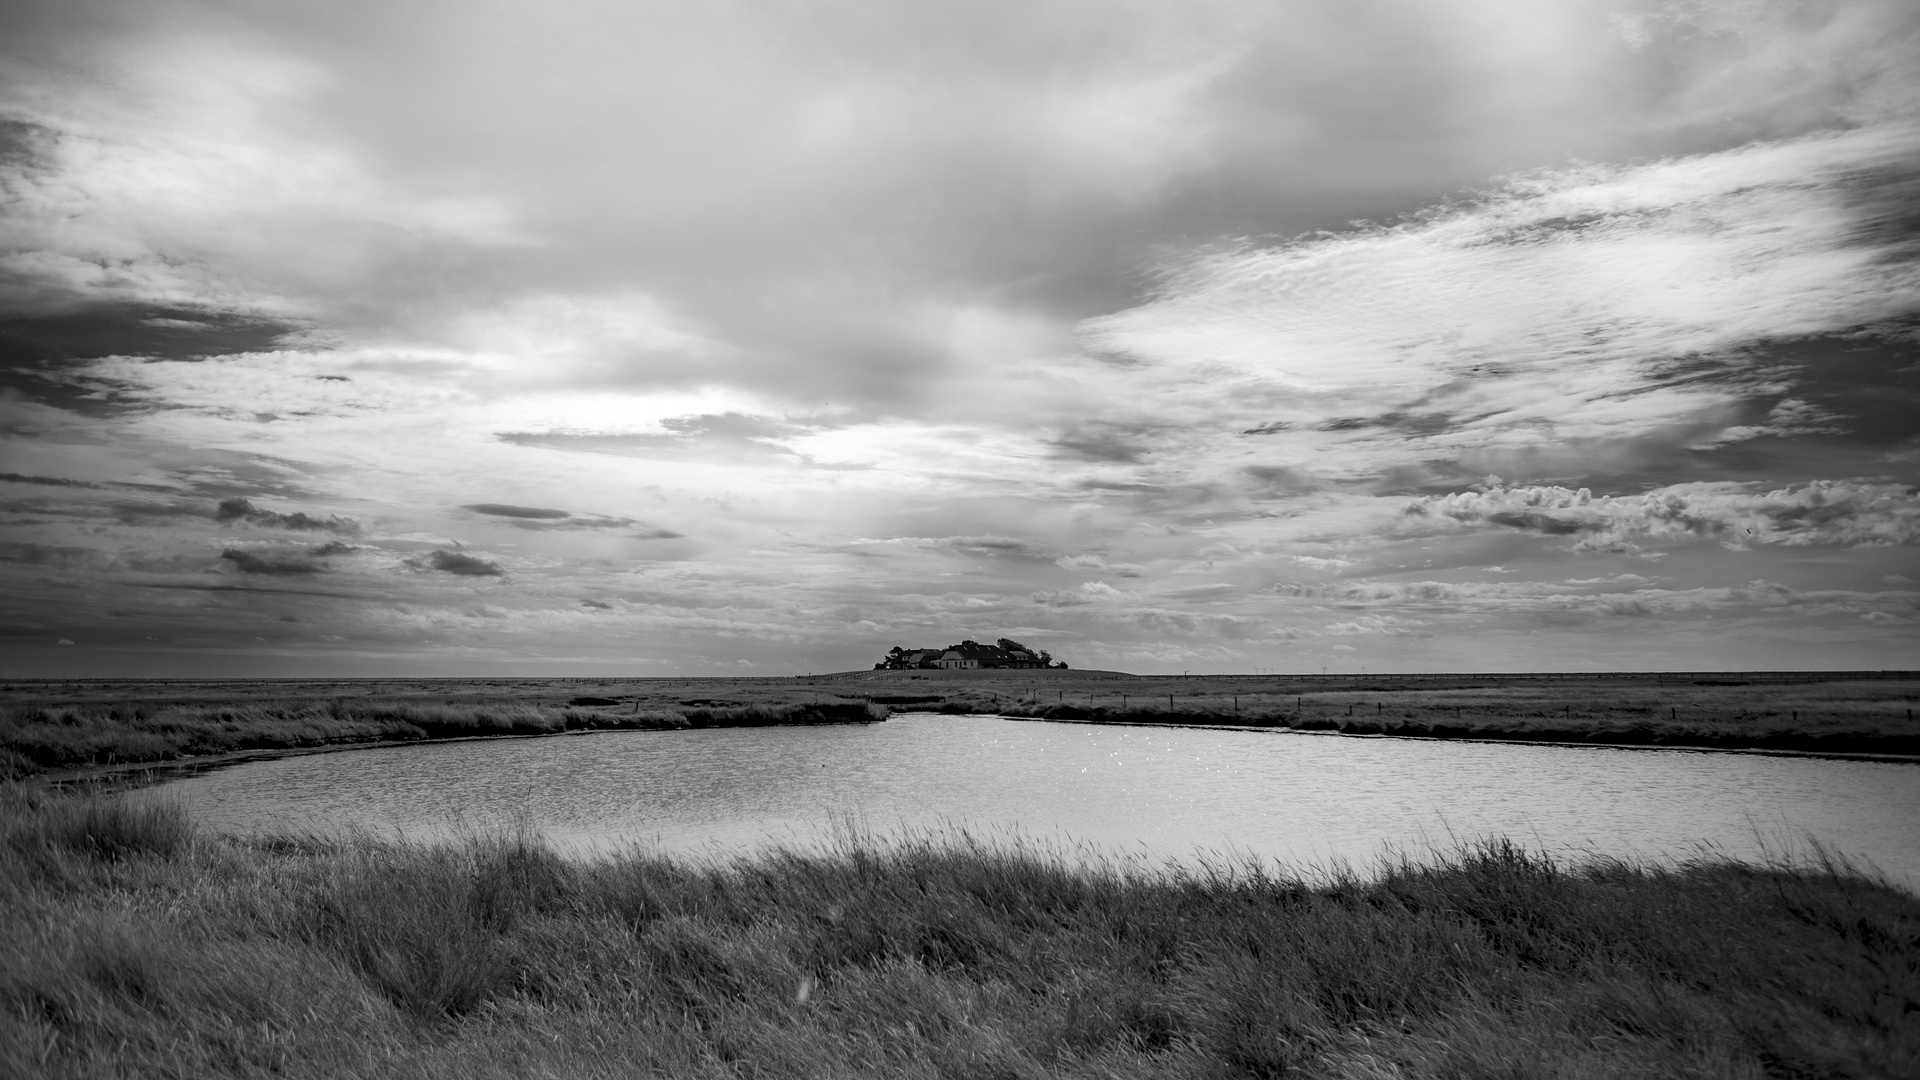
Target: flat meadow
63 726
140 944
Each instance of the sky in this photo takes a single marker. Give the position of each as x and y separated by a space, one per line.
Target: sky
620 337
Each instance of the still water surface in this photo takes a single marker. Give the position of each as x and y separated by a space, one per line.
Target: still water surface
1155 792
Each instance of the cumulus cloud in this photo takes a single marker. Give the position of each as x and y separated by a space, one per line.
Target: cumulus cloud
1821 512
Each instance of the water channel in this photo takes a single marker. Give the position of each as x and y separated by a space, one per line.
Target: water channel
1154 793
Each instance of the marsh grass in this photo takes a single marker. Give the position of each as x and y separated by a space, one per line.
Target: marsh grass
926 955
1870 718
39 738
51 726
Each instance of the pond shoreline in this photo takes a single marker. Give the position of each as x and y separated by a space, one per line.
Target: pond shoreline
119 773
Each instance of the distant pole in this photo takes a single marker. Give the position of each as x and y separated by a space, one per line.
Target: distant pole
1169 702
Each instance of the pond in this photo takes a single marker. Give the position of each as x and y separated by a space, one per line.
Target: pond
1156 793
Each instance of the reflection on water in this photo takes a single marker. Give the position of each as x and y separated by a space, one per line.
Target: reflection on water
1156 792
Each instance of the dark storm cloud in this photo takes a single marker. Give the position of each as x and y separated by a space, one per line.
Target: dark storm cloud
238 509
597 605
249 563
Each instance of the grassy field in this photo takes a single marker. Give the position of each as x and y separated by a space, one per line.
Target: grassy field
59 727
1795 712
136 947
62 726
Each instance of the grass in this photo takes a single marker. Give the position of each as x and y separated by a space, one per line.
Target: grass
137 947
1806 713
41 738
54 726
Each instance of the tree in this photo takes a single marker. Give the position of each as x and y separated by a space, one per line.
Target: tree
1011 645
1046 659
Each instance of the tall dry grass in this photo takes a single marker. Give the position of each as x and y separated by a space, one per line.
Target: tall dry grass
925 956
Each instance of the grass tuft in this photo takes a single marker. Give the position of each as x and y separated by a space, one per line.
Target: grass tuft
96 825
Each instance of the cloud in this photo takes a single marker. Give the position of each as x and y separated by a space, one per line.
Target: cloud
48 481
1821 512
52 555
875 300
735 439
1565 315
454 562
238 509
249 563
1097 562
986 545
545 520
508 511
